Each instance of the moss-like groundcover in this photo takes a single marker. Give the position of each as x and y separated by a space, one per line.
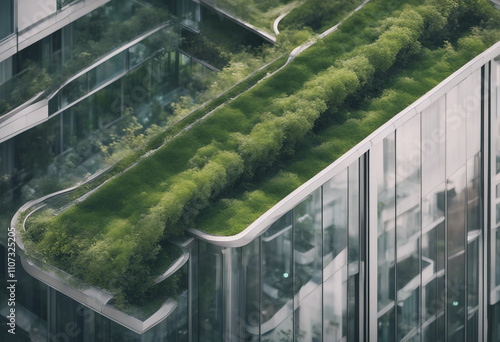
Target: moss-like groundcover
333 95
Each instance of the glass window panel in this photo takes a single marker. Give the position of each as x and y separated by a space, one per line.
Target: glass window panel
386 326
473 195
334 220
307 245
210 294
495 117
335 306
456 123
474 113
456 297
408 227
6 18
354 218
456 192
433 146
136 54
194 289
277 277
473 274
497 257
308 318
384 174
353 305
250 291
473 328
118 332
281 331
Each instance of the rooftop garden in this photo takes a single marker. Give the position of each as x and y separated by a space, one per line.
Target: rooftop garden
228 169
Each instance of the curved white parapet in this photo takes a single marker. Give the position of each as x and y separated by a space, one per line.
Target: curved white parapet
259 226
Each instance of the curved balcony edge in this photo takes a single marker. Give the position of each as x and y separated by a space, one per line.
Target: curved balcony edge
259 226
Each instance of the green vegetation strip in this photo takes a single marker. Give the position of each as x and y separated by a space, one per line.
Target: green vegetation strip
119 228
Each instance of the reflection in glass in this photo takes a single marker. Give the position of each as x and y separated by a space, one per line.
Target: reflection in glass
384 171
282 332
307 239
308 318
456 199
250 291
334 219
433 146
408 227
456 124
210 294
6 18
277 275
473 100
386 327
335 306
354 218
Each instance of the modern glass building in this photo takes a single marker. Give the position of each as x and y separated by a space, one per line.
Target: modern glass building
395 241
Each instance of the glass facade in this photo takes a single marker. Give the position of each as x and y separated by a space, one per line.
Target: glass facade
6 18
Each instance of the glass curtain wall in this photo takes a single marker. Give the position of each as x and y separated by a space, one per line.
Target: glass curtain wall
298 281
428 181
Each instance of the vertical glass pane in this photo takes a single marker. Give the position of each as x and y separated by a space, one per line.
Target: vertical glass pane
210 294
282 332
474 113
334 222
307 245
456 125
352 308
118 332
473 196
456 298
384 176
308 318
335 306
250 291
386 326
473 240
6 18
194 290
408 227
277 277
107 70
456 190
433 146
354 218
